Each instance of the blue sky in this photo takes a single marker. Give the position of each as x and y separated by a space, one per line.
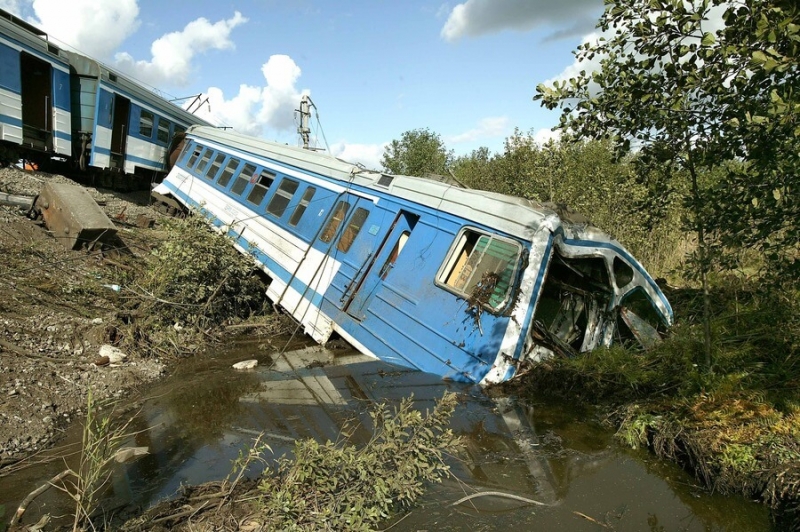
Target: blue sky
374 68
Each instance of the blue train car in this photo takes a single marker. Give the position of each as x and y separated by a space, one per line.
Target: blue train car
60 103
35 105
462 283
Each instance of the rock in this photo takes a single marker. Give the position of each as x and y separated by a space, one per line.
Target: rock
246 364
102 361
115 355
97 321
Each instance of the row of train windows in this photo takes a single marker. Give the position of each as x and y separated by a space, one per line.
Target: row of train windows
208 165
146 123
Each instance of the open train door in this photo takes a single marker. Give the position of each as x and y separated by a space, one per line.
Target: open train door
37 102
119 130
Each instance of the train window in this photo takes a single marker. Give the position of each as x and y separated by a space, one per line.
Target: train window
301 207
279 202
481 265
352 230
163 131
336 219
195 154
203 162
214 168
230 168
146 124
247 175
622 272
262 184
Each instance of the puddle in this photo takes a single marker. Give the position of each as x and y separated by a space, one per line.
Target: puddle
196 421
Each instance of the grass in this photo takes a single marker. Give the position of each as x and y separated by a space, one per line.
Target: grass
737 424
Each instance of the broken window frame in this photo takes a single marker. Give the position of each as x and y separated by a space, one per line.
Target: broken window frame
197 149
261 185
461 260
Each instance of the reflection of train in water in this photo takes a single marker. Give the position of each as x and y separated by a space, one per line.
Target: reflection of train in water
63 104
462 283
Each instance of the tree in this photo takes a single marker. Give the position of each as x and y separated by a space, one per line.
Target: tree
703 103
418 152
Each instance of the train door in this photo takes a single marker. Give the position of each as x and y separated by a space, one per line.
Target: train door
119 130
37 102
380 265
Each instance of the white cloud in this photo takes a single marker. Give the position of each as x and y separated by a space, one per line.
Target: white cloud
487 128
566 18
369 155
91 27
172 54
256 109
544 135
12 6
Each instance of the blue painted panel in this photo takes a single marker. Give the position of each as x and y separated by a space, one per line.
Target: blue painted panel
105 108
61 93
9 69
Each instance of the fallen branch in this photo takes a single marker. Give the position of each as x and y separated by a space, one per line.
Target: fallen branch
35 493
593 520
499 494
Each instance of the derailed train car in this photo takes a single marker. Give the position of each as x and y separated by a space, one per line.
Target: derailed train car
462 283
58 103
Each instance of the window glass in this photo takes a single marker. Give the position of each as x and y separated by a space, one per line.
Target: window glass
336 219
282 197
483 262
163 130
214 168
203 162
146 124
247 174
195 155
352 230
301 207
622 272
262 184
230 168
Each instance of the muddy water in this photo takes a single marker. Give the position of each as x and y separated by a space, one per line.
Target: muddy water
197 421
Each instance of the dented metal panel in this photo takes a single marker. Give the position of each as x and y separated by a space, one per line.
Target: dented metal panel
73 216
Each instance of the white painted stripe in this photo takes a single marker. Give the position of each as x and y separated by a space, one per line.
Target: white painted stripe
310 179
63 122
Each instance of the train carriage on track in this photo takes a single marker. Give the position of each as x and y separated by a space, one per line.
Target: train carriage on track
57 103
462 283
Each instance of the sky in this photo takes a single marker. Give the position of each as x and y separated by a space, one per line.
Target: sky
374 69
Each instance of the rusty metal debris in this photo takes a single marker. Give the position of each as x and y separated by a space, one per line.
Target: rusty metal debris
73 216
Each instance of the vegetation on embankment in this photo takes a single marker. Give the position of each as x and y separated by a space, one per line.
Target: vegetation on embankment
737 427
324 486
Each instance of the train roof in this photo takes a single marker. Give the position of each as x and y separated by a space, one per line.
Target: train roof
16 28
88 67
510 214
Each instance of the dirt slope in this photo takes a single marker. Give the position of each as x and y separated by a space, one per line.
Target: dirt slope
55 314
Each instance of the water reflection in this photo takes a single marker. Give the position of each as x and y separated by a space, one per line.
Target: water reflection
198 420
